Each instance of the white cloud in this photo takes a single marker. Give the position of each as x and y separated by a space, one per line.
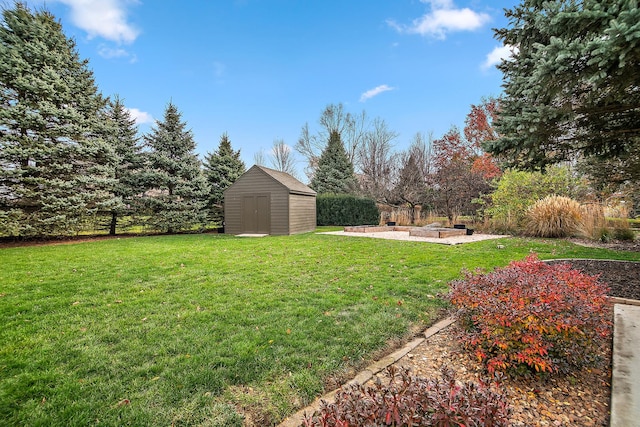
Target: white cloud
375 91
443 18
497 55
103 18
110 53
140 117
439 4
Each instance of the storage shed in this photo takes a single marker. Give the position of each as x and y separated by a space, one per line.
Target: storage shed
267 201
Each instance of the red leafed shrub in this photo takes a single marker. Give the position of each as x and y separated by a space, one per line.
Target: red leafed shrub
533 316
413 401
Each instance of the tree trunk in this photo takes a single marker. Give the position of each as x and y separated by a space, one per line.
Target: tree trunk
114 222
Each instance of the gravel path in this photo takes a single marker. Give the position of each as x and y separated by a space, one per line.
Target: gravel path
404 235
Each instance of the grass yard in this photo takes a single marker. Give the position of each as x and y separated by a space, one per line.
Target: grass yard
191 329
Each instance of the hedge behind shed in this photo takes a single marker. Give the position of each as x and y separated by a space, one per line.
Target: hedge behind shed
344 209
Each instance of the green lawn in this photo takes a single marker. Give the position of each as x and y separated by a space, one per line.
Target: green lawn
190 329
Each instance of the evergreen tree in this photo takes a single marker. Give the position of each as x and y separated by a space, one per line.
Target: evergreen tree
56 168
177 190
129 186
334 174
572 85
221 169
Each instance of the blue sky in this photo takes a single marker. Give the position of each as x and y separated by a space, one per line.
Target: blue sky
260 69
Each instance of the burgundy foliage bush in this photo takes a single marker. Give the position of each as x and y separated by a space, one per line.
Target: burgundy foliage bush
408 400
532 316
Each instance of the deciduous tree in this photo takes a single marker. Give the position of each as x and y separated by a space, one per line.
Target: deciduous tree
479 129
377 162
415 168
334 118
282 158
454 185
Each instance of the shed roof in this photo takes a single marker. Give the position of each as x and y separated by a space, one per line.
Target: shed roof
293 185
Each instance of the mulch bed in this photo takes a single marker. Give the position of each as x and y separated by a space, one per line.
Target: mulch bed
579 399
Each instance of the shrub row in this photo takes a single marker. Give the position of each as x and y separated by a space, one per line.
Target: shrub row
413 401
532 316
346 210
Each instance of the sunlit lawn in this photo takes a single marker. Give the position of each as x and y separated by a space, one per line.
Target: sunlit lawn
192 329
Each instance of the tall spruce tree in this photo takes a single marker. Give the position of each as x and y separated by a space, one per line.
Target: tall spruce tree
334 174
129 169
221 169
177 191
56 168
572 86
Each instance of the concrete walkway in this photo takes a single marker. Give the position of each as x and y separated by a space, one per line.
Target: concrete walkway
625 383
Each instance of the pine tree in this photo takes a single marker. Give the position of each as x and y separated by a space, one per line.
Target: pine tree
572 85
334 174
221 169
56 169
177 190
129 186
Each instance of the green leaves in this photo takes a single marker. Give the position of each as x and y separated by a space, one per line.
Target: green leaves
57 167
176 188
334 174
221 168
572 88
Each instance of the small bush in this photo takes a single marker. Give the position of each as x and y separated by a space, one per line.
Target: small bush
626 234
412 401
622 231
603 235
344 209
554 216
532 316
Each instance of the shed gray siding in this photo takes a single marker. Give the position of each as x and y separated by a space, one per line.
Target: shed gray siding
292 205
302 213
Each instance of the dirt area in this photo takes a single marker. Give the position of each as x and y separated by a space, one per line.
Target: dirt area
616 245
623 277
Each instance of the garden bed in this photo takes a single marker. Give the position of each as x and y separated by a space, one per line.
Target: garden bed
438 233
431 232
580 399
